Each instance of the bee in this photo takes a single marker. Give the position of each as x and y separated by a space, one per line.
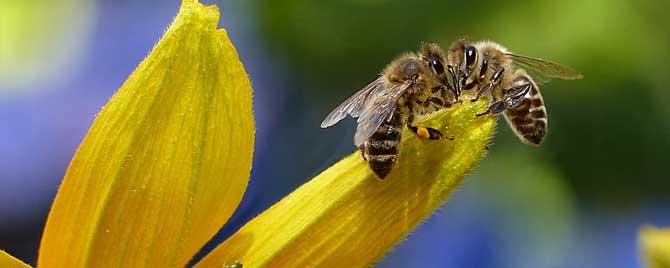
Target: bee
405 88
490 68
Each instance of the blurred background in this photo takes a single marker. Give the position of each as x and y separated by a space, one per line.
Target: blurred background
577 201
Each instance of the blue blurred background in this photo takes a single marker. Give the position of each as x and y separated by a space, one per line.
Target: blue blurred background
577 201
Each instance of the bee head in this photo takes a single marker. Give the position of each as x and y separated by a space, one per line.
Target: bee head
463 55
406 69
434 57
456 55
462 59
470 56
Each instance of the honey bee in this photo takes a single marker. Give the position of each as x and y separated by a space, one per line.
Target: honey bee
489 68
405 88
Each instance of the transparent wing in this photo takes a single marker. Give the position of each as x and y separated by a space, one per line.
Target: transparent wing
539 77
381 104
353 105
546 68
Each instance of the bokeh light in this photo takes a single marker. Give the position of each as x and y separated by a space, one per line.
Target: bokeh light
41 42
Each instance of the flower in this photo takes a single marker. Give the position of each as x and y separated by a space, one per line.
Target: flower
346 217
654 246
167 160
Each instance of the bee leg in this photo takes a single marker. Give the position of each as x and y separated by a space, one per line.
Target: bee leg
455 93
515 95
437 101
443 89
512 98
428 133
481 92
495 79
424 133
472 84
455 87
495 108
362 148
432 103
449 93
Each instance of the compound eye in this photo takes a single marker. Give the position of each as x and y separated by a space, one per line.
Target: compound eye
436 66
470 56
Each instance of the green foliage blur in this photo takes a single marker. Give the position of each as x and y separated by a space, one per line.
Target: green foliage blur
609 133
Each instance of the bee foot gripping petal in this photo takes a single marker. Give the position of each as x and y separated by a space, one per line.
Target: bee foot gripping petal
422 132
427 133
434 134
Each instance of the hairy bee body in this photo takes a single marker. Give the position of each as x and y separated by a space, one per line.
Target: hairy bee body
528 119
404 89
491 70
381 149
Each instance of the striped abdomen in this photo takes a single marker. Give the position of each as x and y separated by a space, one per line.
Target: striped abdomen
381 149
528 118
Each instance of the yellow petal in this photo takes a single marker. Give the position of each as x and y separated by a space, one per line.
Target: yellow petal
655 247
8 261
346 217
166 161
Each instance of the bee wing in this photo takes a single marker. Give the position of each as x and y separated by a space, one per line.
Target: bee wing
546 68
353 105
377 109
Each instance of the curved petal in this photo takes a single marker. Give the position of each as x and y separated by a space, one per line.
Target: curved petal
655 246
346 217
166 161
8 261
